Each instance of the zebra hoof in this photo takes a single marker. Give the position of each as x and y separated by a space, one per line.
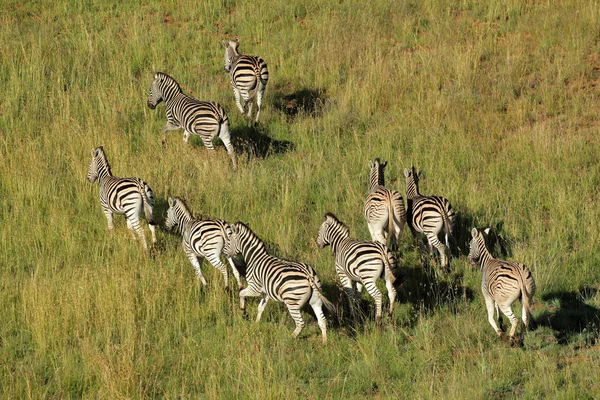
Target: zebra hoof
245 315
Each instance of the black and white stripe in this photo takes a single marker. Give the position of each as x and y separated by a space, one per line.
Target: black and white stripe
126 196
206 119
428 215
249 76
202 239
384 208
359 261
502 283
290 282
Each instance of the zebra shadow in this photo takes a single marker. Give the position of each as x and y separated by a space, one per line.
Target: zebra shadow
254 142
570 317
498 241
305 101
427 290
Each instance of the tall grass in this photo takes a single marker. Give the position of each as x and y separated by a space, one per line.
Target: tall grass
496 101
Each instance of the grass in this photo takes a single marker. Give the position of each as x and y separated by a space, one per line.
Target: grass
496 101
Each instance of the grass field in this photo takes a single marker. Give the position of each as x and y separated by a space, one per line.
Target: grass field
496 100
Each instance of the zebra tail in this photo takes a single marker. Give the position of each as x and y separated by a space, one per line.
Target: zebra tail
329 305
391 237
447 228
390 264
526 305
147 200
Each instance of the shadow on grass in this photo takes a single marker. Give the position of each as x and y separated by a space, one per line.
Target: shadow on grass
254 142
428 290
498 241
570 317
302 102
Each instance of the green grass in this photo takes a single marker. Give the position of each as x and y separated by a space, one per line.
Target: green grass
496 101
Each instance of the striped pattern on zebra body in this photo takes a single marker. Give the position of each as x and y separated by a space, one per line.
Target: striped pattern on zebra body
202 239
384 208
206 119
128 196
359 261
290 282
249 76
428 215
502 283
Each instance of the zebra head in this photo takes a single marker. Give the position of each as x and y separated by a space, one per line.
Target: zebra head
477 245
98 163
177 214
234 248
163 88
171 220
377 177
331 229
231 51
227 233
412 181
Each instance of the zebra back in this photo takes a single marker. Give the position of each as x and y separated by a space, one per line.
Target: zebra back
246 71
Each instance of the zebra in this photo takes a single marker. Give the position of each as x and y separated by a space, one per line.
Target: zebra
290 282
359 261
206 119
383 207
428 215
122 196
249 76
201 239
502 283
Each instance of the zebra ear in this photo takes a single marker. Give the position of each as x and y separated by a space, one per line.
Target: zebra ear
93 152
406 173
474 233
420 173
224 43
171 202
487 231
384 164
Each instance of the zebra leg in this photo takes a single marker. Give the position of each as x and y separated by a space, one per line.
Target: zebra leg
297 317
435 242
236 273
261 306
490 305
216 262
248 292
259 96
498 317
109 218
317 305
391 292
237 95
376 294
197 262
167 127
134 223
208 142
225 137
249 113
347 285
131 230
514 322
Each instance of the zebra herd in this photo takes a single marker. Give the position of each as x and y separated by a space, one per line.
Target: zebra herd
358 262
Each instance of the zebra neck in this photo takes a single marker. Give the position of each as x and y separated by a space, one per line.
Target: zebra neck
412 191
336 240
103 171
170 93
253 250
485 258
184 217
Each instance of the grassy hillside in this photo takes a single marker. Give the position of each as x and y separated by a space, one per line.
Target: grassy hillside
496 100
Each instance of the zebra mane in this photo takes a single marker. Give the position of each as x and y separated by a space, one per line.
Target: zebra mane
101 155
245 229
167 78
183 205
338 222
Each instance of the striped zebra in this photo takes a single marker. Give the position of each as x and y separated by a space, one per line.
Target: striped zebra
428 215
383 207
122 196
206 119
249 76
202 239
292 283
502 283
359 261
